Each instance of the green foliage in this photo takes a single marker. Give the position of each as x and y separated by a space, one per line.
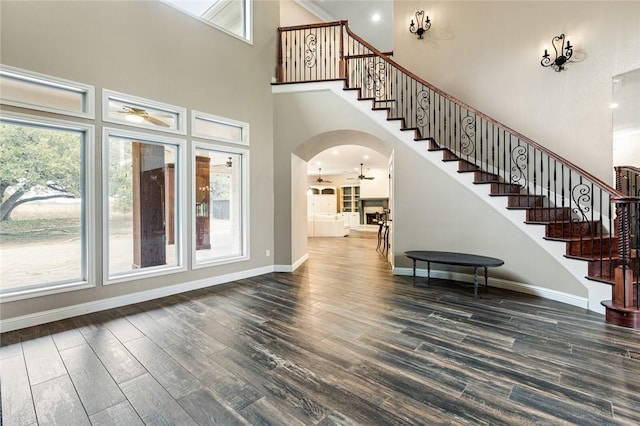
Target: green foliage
36 157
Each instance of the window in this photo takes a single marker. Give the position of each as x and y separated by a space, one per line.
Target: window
26 89
231 16
143 204
220 204
209 126
145 113
44 210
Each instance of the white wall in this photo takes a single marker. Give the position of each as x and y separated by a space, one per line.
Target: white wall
298 208
487 53
150 50
376 188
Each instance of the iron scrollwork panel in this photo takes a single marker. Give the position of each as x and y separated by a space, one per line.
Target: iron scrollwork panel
468 135
519 161
376 77
423 108
310 46
581 198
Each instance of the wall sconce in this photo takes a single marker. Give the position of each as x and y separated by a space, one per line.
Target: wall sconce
561 58
421 29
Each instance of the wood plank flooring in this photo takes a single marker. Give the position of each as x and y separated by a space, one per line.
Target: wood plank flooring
338 342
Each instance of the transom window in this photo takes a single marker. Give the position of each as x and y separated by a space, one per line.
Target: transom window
208 126
139 112
231 16
26 89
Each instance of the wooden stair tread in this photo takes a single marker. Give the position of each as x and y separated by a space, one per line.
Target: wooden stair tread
583 238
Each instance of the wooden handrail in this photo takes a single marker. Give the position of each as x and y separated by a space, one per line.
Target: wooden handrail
633 169
605 186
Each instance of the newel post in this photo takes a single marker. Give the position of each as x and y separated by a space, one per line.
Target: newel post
624 308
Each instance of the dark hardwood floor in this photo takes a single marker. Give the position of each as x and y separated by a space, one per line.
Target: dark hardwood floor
340 341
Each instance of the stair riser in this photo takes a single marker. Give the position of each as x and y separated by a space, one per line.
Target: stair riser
548 215
525 201
449 156
592 247
465 166
574 229
480 176
605 269
505 188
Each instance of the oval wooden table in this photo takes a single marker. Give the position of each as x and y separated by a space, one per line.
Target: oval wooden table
453 258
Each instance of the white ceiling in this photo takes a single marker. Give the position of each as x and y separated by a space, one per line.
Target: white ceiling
360 14
345 160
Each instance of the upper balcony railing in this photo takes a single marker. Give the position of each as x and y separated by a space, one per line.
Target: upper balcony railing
580 206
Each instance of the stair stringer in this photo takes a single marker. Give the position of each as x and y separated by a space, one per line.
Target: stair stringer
596 291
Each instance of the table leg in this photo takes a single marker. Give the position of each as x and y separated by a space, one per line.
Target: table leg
475 280
428 273
486 280
414 272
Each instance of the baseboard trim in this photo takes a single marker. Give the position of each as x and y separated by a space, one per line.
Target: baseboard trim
546 293
291 268
38 318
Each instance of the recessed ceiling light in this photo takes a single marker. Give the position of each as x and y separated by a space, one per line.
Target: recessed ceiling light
376 17
335 152
366 157
613 105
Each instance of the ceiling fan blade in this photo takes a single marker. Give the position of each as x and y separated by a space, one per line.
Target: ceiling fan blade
155 121
142 114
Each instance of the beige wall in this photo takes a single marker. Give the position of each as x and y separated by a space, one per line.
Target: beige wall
487 53
291 13
148 49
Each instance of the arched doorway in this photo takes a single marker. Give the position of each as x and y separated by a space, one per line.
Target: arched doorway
301 182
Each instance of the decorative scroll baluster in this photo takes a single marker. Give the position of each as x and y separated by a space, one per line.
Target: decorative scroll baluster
467 139
422 109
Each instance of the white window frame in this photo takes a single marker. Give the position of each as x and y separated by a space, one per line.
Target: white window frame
180 199
37 79
198 115
244 153
248 21
88 251
180 112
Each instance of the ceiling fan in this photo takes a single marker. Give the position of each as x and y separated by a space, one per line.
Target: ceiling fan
140 114
228 163
320 180
361 176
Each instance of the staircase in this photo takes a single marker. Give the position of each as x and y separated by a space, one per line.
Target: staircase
591 218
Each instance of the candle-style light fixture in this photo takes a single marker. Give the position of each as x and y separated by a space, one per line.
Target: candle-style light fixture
562 55
422 26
